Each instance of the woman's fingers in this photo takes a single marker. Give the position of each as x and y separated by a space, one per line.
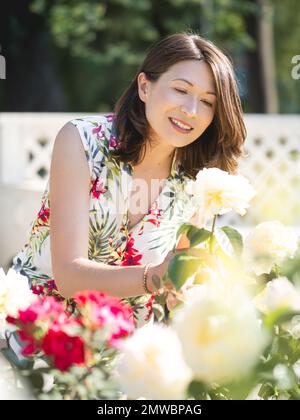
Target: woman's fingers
171 301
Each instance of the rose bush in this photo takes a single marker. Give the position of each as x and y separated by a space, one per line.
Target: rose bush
72 344
233 331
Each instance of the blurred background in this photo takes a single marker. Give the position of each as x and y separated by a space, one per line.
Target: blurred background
78 55
60 59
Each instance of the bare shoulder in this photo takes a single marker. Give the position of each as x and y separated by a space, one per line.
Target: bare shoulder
67 134
68 144
68 157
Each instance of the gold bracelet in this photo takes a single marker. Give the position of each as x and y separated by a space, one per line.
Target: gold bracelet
145 277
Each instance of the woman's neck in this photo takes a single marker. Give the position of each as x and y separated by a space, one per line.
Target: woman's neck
157 161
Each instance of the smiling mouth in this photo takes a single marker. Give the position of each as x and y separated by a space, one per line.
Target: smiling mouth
180 128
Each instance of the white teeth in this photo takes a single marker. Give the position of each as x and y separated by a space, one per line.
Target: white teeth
180 124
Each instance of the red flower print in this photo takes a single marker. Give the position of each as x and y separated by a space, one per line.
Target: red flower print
44 288
43 215
154 222
130 255
97 188
156 213
98 132
38 289
110 117
141 230
51 285
113 143
149 307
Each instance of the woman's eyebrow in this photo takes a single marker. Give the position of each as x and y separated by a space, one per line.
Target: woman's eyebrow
191 84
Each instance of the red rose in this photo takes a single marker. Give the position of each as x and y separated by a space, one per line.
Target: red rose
102 311
64 349
31 346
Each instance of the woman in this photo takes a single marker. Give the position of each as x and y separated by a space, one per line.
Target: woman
117 192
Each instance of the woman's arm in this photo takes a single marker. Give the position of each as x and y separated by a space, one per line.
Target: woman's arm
69 227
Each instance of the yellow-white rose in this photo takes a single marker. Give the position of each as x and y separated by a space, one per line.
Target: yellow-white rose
218 267
293 327
222 337
151 364
217 192
279 293
15 294
269 243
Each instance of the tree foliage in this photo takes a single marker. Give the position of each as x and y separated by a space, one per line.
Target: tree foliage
93 47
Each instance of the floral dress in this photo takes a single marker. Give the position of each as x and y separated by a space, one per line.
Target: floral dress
110 239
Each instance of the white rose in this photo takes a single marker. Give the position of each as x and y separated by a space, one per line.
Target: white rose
296 368
279 293
268 244
217 192
15 294
293 327
217 267
151 364
221 336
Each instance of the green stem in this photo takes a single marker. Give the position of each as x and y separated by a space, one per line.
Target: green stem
211 238
276 271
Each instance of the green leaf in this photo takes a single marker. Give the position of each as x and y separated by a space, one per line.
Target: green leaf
290 267
279 316
197 389
196 236
181 267
14 360
36 379
229 240
183 229
239 389
266 390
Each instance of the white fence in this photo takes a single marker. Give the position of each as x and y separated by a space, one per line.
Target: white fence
26 141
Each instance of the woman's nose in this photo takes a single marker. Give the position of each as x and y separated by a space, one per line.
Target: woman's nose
190 107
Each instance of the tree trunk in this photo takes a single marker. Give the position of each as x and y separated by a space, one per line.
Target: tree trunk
256 93
267 56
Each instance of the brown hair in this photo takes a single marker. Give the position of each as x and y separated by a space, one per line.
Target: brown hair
221 143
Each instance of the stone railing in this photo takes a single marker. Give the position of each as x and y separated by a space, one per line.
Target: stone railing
26 142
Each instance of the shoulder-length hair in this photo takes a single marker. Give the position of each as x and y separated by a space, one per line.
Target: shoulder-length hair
221 143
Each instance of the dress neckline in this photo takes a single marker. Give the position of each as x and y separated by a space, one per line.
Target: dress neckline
129 170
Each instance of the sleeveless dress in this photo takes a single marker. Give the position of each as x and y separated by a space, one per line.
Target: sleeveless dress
110 239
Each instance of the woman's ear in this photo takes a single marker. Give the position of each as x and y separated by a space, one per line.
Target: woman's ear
142 86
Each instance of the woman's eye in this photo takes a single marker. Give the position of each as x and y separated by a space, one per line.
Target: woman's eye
208 103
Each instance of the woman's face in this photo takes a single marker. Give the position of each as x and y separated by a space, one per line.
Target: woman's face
169 101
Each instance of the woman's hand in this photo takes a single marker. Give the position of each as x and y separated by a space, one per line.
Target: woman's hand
157 271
